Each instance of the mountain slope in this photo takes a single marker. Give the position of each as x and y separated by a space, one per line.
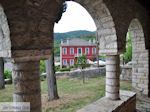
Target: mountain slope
73 34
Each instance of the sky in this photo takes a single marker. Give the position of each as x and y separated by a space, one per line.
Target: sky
75 18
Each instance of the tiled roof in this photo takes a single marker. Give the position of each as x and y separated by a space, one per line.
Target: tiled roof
78 42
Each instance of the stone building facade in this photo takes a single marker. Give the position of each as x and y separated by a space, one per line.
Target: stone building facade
26 35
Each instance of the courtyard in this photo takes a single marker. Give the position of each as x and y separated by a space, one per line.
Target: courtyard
73 93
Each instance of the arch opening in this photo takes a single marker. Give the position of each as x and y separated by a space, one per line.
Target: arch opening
140 58
75 28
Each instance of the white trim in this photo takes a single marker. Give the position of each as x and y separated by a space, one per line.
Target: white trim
64 50
72 50
78 52
65 62
87 53
94 50
71 61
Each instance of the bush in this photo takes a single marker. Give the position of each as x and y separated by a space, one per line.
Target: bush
64 69
42 66
7 74
57 68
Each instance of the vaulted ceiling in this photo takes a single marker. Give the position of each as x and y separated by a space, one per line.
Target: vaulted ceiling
145 3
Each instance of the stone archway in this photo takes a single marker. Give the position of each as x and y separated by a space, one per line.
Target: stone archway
106 35
140 58
106 32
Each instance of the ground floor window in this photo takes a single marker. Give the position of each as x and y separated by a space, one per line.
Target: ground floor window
64 62
71 61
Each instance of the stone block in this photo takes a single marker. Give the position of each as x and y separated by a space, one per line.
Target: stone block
127 103
112 82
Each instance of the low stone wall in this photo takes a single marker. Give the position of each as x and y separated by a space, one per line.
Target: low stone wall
90 72
126 72
127 103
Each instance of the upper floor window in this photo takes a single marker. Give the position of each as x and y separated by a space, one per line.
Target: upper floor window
79 51
94 50
87 50
71 50
64 50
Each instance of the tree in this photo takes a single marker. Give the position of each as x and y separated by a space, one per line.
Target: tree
2 81
127 56
51 78
82 64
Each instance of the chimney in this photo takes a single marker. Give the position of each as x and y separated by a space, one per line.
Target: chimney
68 41
94 41
90 41
61 41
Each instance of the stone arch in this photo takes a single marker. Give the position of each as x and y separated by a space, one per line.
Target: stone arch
106 32
5 44
140 58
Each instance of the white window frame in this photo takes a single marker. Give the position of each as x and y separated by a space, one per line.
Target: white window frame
64 62
86 50
78 50
72 52
64 50
71 61
94 50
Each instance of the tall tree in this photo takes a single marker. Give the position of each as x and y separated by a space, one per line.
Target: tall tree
51 78
2 81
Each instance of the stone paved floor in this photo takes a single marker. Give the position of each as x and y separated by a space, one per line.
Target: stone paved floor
143 104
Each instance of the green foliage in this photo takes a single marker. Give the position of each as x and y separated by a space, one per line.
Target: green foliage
82 62
64 69
42 66
57 48
57 68
7 74
127 56
73 34
102 57
83 34
76 95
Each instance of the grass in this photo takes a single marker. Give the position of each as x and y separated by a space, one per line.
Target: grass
73 93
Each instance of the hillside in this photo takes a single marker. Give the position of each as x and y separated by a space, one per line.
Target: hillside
73 34
86 35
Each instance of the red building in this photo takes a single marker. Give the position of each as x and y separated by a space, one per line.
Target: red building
70 49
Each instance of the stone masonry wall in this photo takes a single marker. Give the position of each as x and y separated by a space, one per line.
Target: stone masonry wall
93 72
5 44
140 59
106 33
126 72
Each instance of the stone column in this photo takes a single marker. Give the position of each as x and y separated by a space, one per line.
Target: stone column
112 77
26 81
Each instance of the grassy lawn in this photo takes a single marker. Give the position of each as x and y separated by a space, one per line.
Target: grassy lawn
73 93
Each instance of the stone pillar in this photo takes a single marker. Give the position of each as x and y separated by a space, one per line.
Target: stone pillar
26 81
112 77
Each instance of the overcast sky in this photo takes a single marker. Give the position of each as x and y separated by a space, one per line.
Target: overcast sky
75 18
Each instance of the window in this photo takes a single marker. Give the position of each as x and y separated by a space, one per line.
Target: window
71 50
87 50
64 62
71 61
93 50
79 51
64 50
